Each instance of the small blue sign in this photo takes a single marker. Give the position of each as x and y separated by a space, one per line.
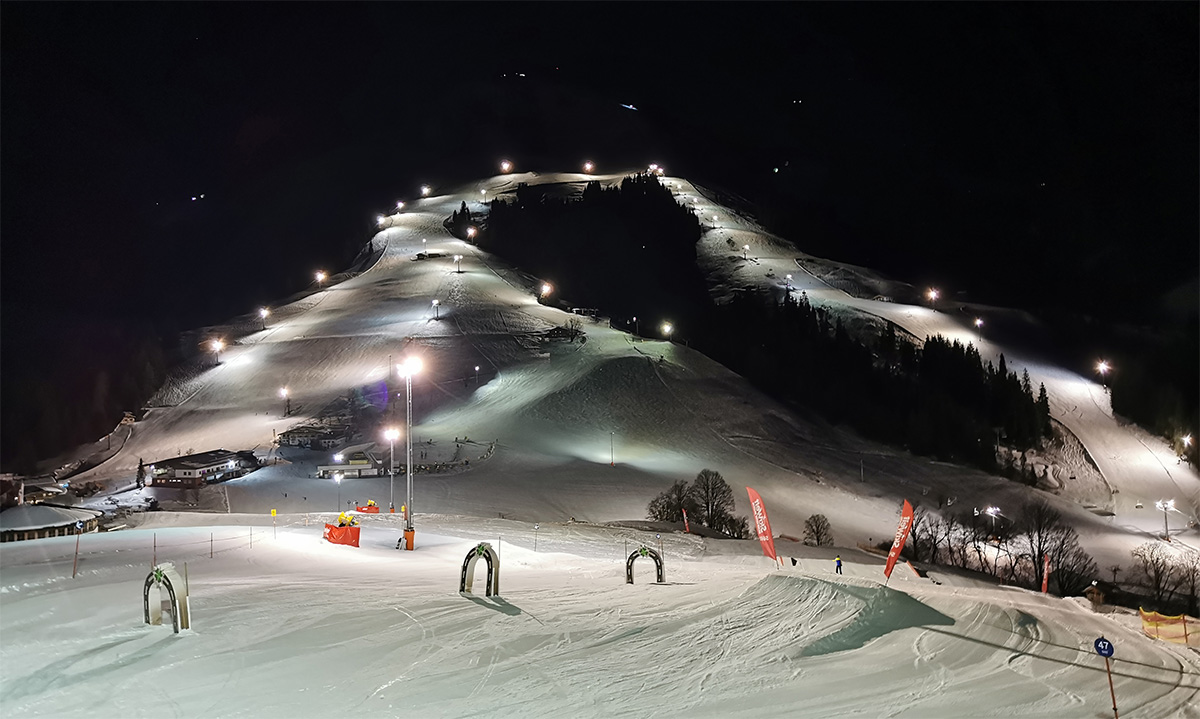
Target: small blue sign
1104 647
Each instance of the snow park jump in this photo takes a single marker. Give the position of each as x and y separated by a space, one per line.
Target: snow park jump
483 549
167 579
644 552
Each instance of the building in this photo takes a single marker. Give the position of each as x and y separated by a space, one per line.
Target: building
36 521
313 437
357 461
195 470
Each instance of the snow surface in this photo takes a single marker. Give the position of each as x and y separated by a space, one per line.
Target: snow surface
291 626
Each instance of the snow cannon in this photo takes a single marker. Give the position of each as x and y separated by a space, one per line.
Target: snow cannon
341 535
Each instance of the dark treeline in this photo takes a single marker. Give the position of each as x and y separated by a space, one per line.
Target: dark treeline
940 399
629 250
625 249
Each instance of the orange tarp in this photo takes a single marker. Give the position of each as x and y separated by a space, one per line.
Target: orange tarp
371 509
1165 627
341 535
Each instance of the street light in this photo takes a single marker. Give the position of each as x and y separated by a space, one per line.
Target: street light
992 512
411 366
263 313
287 401
458 263
932 294
425 190
1187 440
380 220
476 375
546 289
506 166
667 329
1103 368
391 435
217 346
1166 505
436 313
979 328
587 167
637 332
399 205
320 277
745 249
612 453
470 232
483 195
338 478
788 278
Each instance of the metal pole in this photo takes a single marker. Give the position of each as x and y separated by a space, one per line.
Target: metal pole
392 477
408 440
75 568
1166 532
1112 692
612 456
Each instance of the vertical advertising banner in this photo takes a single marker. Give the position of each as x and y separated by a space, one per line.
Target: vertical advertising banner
906 518
1046 573
762 525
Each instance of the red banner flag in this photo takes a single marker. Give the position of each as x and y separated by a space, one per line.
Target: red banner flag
762 525
686 528
906 519
1046 573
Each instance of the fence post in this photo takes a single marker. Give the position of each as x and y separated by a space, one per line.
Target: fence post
154 557
210 543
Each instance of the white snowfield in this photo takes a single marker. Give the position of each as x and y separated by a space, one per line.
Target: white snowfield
287 625
564 413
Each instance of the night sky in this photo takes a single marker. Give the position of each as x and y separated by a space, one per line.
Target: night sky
1043 155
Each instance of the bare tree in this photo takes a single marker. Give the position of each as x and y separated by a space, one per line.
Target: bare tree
817 532
669 506
714 499
1155 565
574 327
1187 570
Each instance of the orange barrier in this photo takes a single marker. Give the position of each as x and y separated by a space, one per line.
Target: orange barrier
372 509
1164 627
341 535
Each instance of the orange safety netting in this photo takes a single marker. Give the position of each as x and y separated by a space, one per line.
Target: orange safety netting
370 509
1164 627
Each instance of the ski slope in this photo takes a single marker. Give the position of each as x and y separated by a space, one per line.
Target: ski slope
286 625
593 430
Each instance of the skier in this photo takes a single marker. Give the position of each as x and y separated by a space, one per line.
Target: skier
838 564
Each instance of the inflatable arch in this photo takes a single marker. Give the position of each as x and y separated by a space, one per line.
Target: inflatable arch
170 586
644 552
493 569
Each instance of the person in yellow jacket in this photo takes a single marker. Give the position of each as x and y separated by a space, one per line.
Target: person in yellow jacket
345 520
371 503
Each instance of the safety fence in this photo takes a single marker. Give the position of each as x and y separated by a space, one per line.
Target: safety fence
1168 628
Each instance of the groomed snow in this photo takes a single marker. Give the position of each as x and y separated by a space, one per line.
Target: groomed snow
296 627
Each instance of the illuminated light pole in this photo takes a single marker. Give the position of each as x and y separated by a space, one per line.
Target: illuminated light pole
637 332
535 529
411 366
506 166
667 329
546 289
992 512
1103 367
476 375
424 244
217 346
399 206
470 232
380 220
338 478
458 263
612 453
391 435
979 328
588 167
788 279
483 195
287 401
263 313
425 190
932 294
745 249
1165 505
320 277
436 313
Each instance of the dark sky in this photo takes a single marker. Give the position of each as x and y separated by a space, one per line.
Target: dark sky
1041 152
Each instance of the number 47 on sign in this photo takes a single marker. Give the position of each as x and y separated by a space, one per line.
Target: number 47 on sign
1105 649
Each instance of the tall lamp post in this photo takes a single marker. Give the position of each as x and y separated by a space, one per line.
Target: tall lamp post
667 329
979 328
436 312
411 366
1103 368
458 263
287 401
263 312
612 453
338 478
476 375
320 278
217 346
1165 505
392 434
